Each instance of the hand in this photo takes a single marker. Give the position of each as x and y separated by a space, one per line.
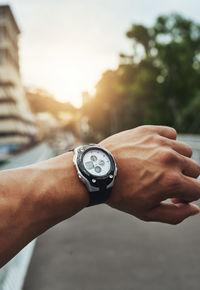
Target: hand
153 167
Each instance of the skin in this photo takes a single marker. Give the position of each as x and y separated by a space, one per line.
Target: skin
152 167
159 168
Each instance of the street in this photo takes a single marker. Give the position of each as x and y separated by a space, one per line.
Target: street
103 249
36 154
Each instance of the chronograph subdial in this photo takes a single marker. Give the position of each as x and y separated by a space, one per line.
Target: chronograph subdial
96 162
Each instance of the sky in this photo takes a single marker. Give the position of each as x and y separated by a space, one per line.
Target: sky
66 45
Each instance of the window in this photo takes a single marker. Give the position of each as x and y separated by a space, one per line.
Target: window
2 55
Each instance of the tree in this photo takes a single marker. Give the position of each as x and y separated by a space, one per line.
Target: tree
157 84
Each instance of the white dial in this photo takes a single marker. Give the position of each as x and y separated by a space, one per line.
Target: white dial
96 162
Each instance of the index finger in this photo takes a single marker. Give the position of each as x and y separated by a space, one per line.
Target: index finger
173 213
167 132
164 131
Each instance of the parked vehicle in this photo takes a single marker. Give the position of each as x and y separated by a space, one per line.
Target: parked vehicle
4 155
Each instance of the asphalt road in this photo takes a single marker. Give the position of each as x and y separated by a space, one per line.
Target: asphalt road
103 249
36 154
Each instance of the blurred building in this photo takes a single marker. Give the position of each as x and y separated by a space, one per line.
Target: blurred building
17 124
86 97
47 125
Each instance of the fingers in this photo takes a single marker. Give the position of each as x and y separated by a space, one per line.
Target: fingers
180 171
190 167
186 188
192 189
173 213
167 132
179 147
186 164
168 139
164 131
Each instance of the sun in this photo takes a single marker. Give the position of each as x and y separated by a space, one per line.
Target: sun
73 79
66 78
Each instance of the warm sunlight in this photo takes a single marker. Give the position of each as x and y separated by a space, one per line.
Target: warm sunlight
66 50
68 76
71 77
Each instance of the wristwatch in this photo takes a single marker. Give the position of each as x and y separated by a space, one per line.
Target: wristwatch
97 169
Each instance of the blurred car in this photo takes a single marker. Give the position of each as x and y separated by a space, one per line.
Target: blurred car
4 155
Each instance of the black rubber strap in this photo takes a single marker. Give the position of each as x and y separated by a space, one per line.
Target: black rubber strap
98 197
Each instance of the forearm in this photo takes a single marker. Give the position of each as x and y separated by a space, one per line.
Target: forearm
152 167
34 198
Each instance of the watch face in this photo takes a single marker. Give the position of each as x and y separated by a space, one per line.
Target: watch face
97 162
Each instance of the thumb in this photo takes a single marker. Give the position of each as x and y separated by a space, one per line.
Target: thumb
173 213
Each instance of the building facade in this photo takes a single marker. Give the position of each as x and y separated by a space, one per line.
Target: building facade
17 123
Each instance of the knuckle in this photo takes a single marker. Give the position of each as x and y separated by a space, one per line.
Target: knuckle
168 156
153 138
163 142
173 180
144 128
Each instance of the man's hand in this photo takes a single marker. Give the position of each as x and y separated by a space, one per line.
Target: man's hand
153 167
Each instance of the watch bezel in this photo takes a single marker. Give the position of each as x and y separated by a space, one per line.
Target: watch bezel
100 181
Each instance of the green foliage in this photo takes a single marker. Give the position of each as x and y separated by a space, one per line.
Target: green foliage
158 84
